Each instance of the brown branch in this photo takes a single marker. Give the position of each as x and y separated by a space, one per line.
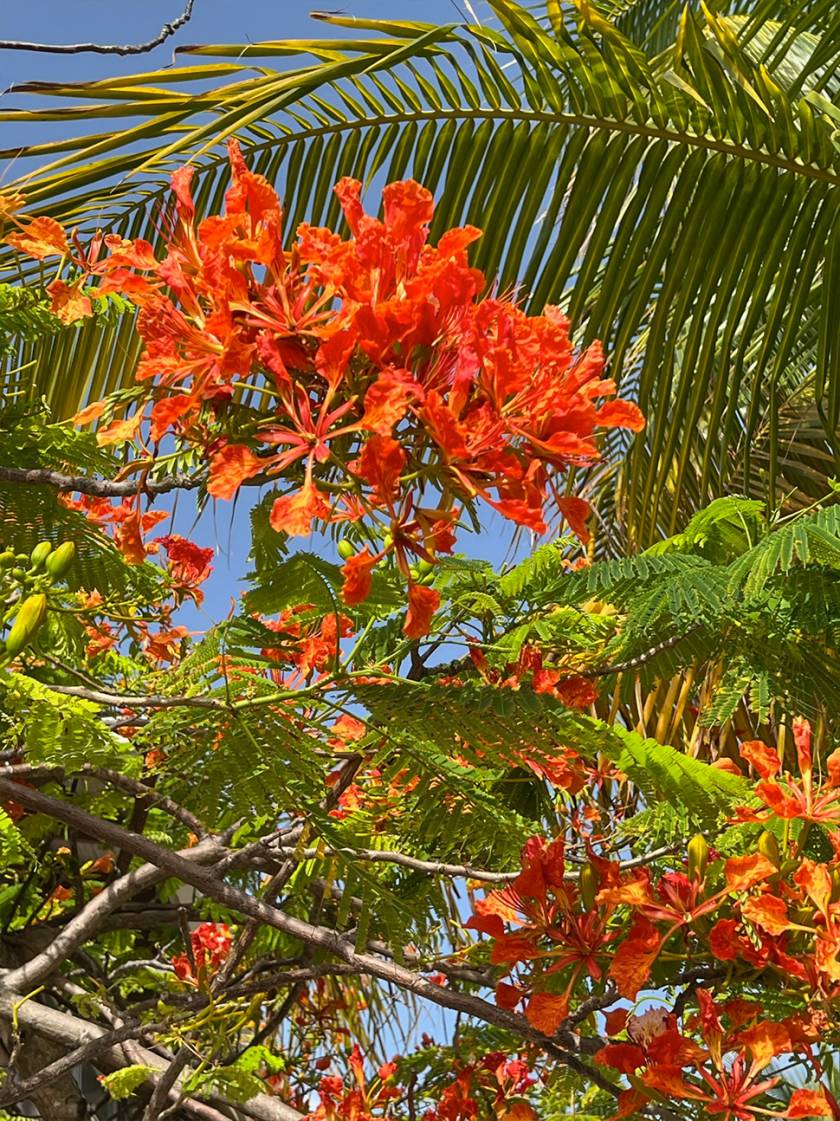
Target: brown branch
89 919
142 790
641 659
142 700
98 488
453 668
207 882
16 1089
166 1084
165 32
388 856
66 1029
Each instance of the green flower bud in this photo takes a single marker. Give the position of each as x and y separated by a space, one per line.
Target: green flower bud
39 554
698 857
588 886
768 846
7 559
27 622
59 562
346 549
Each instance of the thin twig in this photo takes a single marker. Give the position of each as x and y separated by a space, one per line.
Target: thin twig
165 32
98 488
142 790
165 1085
140 701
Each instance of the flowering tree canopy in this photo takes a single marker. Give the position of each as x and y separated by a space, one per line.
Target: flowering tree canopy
403 834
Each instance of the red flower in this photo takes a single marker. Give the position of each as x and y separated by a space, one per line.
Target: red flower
423 602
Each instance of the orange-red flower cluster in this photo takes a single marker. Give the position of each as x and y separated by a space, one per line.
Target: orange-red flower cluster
496 1079
392 388
772 912
210 943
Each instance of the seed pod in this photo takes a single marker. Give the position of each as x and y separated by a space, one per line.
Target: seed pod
588 886
28 620
698 857
58 562
768 846
39 554
346 549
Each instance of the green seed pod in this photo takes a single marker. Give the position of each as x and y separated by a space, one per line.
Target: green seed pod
60 561
29 619
768 846
698 857
7 559
39 554
588 886
346 549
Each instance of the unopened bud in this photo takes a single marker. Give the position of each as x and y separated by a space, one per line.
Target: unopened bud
59 561
768 846
29 619
698 857
39 554
835 885
588 886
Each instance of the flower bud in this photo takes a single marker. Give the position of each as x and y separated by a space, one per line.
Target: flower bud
39 554
698 857
29 619
588 886
768 846
835 885
59 562
346 549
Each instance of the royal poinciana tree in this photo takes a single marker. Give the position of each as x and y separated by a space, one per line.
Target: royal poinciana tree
401 836
391 840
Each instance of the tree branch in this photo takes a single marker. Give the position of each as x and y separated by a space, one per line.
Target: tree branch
89 919
97 488
207 882
142 790
165 32
69 1030
16 1089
